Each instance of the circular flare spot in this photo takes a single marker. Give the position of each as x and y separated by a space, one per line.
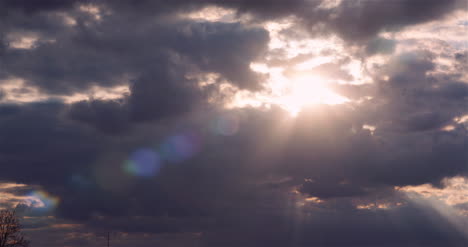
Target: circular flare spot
143 163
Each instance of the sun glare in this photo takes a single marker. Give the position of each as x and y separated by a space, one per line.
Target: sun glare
291 93
305 91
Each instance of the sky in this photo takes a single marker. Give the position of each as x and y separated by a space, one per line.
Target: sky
235 123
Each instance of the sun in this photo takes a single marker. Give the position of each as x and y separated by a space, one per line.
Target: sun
292 92
305 90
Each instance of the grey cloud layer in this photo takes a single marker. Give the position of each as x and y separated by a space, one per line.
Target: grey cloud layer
241 189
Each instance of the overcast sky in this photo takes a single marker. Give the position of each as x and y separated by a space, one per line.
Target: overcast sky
235 123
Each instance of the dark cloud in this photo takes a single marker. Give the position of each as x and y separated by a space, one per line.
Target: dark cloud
36 140
168 159
362 20
103 55
353 21
157 59
34 6
360 227
325 154
108 116
413 96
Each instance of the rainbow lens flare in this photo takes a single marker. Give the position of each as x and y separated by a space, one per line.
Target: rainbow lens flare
44 200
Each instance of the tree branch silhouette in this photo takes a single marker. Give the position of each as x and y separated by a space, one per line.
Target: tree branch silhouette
10 230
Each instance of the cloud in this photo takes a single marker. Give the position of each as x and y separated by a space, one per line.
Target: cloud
231 176
169 163
356 21
82 59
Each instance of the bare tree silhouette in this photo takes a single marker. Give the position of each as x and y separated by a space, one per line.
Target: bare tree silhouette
10 230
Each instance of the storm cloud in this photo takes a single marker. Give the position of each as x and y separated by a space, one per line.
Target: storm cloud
126 117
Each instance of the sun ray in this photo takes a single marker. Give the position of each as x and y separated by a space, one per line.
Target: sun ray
308 90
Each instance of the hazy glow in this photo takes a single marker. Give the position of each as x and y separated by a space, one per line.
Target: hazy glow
23 42
212 14
461 119
291 66
444 200
292 93
304 91
316 61
9 199
67 19
16 90
99 93
451 27
93 10
448 128
329 4
11 185
369 127
66 226
455 191
374 206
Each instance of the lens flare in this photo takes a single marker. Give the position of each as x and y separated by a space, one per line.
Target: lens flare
180 147
44 200
143 163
